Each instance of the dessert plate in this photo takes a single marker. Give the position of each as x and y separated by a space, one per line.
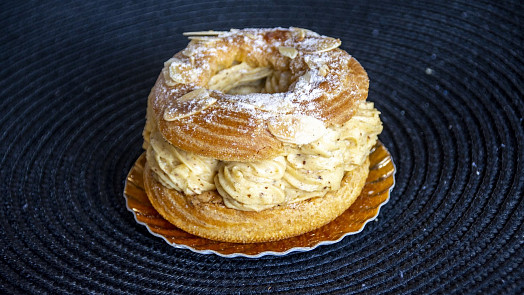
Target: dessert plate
375 193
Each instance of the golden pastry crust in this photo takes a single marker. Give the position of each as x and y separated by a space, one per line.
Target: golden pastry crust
214 124
205 215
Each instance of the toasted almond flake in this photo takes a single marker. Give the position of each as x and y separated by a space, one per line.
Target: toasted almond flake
320 44
167 77
324 69
251 36
188 51
168 62
203 39
189 104
290 52
270 103
300 33
197 94
296 129
204 33
306 77
180 71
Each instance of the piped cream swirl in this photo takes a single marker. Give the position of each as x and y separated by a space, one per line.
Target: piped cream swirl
252 186
183 171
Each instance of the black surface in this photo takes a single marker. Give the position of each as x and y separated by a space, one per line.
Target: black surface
448 78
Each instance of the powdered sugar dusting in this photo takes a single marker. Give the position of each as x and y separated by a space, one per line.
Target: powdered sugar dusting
312 63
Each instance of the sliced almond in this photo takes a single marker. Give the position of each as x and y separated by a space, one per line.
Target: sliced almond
204 33
306 78
290 52
299 33
297 129
197 94
319 44
189 50
250 36
180 71
275 103
205 39
324 69
189 104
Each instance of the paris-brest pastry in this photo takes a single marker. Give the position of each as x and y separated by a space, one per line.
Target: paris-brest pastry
258 135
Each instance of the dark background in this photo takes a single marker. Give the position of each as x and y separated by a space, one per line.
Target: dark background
448 79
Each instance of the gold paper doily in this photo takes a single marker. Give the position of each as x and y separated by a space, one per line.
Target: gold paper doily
375 193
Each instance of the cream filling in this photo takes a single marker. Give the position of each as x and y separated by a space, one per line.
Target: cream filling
180 170
302 172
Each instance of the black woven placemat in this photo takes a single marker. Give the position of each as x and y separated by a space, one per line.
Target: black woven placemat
448 79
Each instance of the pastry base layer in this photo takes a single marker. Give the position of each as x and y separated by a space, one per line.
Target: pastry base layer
206 216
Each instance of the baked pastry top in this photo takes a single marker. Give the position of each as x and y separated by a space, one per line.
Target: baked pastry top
238 95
